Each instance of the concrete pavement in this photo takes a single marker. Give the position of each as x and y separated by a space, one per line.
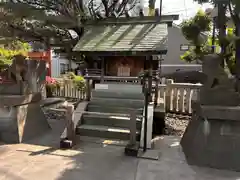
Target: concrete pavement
91 161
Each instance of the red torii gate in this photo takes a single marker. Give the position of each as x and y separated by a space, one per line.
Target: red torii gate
45 56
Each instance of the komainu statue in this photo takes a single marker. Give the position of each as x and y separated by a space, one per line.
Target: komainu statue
21 115
18 69
212 137
218 88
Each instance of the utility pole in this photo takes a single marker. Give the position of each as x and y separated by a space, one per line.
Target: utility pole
160 10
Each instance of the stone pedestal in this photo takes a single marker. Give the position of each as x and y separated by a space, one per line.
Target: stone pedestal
212 137
21 118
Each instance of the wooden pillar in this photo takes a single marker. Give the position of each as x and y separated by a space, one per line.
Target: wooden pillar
150 59
102 69
88 88
49 61
156 91
158 76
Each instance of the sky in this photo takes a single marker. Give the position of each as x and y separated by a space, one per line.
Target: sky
185 8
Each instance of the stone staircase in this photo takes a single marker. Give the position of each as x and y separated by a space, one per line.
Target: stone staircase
107 114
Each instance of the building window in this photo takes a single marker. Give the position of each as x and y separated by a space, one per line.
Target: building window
64 68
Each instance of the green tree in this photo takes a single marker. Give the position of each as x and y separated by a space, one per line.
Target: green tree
233 7
11 49
55 22
197 30
193 30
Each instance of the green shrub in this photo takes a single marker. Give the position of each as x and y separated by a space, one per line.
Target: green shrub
51 85
79 82
71 75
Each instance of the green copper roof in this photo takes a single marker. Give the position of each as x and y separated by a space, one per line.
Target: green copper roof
147 37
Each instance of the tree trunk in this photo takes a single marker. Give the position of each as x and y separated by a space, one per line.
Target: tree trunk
214 35
222 27
237 57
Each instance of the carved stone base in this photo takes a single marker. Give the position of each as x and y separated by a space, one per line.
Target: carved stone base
22 123
213 142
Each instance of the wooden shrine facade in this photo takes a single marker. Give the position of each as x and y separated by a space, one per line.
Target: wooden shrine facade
124 46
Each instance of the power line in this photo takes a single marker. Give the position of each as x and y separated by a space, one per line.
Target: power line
182 10
185 7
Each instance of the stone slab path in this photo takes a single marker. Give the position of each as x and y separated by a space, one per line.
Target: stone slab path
42 160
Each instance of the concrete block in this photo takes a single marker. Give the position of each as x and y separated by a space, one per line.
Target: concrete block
132 150
159 120
66 144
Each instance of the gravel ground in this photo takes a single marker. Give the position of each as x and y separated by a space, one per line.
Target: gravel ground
51 114
176 124
58 115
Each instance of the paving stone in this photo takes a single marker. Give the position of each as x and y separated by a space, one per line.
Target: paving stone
41 159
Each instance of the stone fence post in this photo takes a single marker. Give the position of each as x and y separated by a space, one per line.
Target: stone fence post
132 148
133 127
168 94
70 123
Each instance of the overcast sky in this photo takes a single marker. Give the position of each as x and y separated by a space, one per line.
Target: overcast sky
185 8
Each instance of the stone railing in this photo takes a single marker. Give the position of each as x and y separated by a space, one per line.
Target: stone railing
177 97
114 79
68 89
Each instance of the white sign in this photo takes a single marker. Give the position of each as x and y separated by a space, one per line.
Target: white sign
184 47
101 86
123 71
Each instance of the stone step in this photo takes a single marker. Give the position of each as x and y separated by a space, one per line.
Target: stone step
105 132
104 141
117 102
112 109
109 120
117 95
